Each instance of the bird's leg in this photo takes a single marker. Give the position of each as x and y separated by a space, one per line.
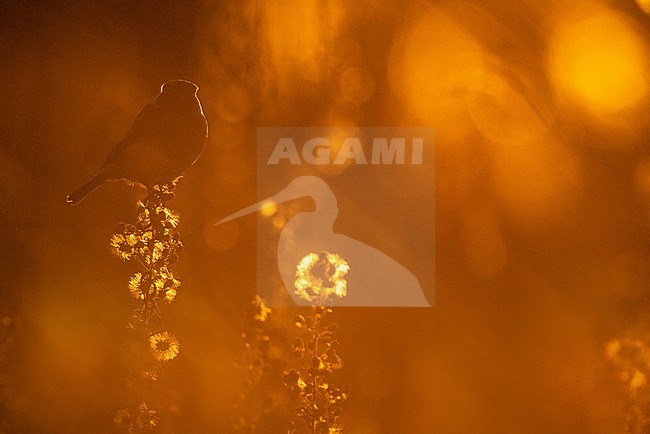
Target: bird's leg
161 193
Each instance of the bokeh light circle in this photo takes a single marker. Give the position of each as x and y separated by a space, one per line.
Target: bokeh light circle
598 60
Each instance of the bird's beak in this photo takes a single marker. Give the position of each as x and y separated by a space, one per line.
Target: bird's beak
289 193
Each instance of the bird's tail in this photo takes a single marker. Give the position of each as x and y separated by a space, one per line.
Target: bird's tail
79 194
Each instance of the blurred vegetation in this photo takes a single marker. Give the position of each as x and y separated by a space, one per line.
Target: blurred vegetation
542 200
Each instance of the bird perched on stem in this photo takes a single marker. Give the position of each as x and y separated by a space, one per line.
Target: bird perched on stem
165 139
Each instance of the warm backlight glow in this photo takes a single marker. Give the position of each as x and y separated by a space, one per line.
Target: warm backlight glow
537 180
599 61
502 114
644 5
433 69
295 35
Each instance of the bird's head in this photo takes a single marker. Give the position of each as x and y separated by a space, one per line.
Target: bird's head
182 87
179 95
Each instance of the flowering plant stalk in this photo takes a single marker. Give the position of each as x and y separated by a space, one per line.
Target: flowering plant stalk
254 361
154 244
318 278
632 358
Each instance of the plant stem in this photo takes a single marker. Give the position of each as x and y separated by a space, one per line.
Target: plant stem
315 374
151 208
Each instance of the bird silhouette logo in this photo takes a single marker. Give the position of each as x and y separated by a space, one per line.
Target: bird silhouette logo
166 138
375 279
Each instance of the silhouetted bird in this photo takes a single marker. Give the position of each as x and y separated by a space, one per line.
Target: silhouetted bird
164 140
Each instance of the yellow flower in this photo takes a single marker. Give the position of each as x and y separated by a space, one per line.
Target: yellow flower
135 286
262 312
158 248
170 294
164 346
166 278
638 381
143 214
612 348
319 276
144 419
166 284
147 419
170 216
122 245
123 420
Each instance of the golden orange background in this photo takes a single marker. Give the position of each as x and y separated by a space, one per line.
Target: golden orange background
542 199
